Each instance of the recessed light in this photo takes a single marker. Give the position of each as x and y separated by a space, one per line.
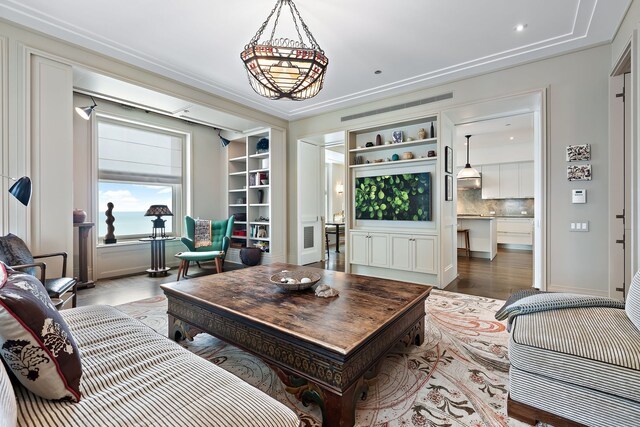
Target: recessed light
377 72
520 27
511 138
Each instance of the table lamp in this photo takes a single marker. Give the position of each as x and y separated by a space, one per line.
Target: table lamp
158 224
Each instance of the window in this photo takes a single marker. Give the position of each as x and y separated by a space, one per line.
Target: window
138 166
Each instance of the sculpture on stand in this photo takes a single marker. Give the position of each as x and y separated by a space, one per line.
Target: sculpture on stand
110 237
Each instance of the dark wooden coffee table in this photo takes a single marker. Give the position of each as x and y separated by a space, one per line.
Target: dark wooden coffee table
324 349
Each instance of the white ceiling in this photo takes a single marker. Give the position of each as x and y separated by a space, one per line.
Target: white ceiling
416 43
496 133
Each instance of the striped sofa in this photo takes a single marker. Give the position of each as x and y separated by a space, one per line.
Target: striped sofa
132 376
577 366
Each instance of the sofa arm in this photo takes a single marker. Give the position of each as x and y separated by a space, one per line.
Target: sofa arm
188 243
41 265
60 254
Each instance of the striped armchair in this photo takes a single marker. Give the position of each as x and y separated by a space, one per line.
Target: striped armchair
577 366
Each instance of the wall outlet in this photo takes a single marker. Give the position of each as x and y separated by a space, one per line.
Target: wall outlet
579 226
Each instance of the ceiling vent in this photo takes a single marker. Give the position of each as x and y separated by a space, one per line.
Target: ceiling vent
424 101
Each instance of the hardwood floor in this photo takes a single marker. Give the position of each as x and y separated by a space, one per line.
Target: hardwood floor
510 271
132 288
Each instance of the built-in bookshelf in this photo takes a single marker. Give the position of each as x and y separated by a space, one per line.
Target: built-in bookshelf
256 188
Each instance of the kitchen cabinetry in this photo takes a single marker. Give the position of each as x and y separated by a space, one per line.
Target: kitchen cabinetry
413 253
515 231
507 181
256 188
370 249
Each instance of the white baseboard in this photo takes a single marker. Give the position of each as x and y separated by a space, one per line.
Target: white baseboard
581 291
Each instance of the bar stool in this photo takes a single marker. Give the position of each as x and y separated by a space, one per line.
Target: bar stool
467 245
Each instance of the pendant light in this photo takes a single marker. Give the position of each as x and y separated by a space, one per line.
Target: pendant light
468 171
282 67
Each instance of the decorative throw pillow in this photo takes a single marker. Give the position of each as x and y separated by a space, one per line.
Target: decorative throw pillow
13 251
35 341
632 304
3 274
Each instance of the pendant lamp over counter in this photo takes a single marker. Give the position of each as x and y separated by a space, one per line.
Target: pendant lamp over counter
468 171
283 67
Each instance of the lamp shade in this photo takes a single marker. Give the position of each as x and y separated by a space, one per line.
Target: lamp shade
158 210
468 171
21 190
224 141
85 112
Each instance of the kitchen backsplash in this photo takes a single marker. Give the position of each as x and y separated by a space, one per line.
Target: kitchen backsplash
471 202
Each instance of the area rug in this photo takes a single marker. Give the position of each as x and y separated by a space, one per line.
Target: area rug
457 377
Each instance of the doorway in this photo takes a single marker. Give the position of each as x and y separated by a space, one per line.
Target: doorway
321 203
502 212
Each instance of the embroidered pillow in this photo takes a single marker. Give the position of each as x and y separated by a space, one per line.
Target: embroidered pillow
35 341
3 274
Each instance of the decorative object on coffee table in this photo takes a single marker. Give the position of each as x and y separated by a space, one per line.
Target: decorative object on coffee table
250 256
326 291
298 280
110 238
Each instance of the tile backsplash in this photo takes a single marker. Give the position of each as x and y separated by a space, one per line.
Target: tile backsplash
471 202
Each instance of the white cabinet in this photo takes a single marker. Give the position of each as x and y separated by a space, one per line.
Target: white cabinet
525 180
370 249
507 181
413 253
515 231
491 181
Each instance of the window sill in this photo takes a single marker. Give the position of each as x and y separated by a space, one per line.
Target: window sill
132 242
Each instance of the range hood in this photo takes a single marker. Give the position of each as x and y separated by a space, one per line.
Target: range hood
470 183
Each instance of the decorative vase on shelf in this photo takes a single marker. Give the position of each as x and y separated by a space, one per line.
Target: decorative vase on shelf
433 131
378 139
422 134
79 216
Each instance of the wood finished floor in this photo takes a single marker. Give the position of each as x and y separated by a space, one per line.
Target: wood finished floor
510 271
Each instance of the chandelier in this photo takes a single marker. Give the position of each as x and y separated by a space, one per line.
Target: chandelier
283 68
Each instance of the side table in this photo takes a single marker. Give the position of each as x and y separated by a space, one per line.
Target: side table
83 233
158 264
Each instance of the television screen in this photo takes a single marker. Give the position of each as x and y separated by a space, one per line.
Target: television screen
404 197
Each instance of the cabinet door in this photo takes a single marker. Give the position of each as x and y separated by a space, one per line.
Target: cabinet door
378 250
400 252
359 248
509 180
424 255
491 182
525 182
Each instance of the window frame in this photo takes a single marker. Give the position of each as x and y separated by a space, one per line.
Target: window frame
180 198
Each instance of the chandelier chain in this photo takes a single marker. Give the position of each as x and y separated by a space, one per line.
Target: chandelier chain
314 43
275 23
256 38
295 22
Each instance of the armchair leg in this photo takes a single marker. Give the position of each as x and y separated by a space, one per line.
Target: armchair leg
218 265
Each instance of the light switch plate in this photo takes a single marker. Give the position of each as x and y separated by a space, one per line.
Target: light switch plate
579 226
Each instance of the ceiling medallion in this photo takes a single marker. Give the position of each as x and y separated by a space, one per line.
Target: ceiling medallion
283 68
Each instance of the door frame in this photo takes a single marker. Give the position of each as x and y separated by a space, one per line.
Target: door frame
319 194
534 102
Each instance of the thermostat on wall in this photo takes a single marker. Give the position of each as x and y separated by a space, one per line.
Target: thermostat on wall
578 196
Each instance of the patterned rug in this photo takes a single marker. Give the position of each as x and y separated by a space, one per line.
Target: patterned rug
458 377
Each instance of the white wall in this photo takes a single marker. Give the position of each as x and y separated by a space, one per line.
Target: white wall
576 114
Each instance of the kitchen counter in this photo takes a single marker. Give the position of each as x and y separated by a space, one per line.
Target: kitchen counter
483 235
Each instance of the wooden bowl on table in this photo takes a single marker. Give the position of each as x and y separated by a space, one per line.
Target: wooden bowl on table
299 280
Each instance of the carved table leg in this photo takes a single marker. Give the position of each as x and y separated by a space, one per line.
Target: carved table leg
337 410
179 330
415 334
